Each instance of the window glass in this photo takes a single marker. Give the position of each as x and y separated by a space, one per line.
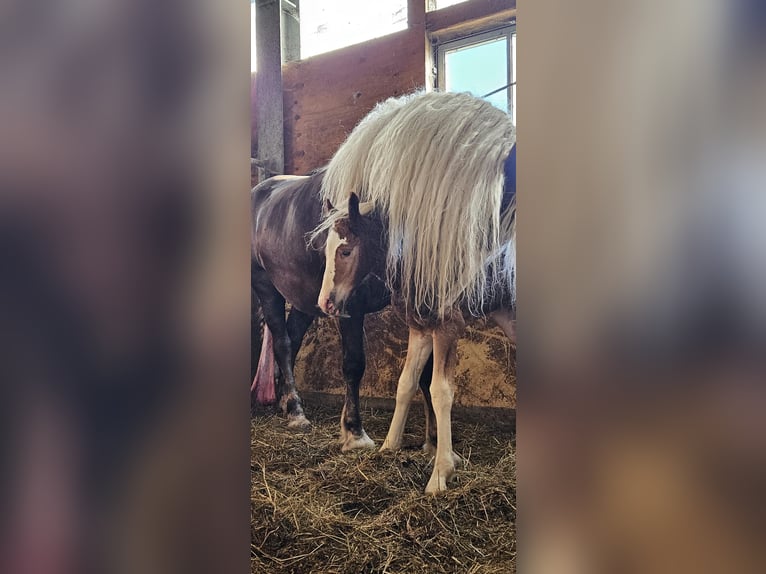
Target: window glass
479 69
484 65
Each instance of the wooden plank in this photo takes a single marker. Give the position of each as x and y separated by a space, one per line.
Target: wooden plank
268 95
325 96
469 16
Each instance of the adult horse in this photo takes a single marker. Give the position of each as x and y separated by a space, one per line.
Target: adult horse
437 173
284 269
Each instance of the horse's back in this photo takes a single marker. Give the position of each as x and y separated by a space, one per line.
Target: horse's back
284 207
283 210
276 188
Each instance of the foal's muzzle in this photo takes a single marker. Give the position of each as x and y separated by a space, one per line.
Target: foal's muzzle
331 308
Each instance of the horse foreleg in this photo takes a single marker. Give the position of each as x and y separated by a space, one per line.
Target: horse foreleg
418 351
352 434
298 323
429 445
273 305
445 361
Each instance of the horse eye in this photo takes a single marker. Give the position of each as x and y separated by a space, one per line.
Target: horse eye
345 253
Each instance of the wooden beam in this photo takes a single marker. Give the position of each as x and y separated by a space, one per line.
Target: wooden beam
468 17
416 14
268 94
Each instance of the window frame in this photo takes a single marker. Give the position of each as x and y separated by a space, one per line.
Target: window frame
442 47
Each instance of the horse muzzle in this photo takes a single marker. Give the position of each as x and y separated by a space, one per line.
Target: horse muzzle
329 307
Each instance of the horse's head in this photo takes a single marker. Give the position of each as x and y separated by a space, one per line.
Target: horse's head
355 248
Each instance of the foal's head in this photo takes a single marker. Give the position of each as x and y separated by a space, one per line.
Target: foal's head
355 248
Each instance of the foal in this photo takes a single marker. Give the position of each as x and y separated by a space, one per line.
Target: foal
356 246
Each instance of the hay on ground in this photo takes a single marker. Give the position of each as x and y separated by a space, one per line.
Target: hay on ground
317 510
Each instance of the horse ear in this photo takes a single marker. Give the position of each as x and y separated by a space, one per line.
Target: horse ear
353 207
327 207
366 207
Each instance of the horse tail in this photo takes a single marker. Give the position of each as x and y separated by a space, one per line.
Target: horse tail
263 382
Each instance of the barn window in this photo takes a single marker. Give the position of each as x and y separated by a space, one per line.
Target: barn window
331 24
439 4
483 64
319 26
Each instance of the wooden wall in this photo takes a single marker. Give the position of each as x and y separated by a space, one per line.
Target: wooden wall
325 96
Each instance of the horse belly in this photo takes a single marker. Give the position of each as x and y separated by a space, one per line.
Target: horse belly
301 291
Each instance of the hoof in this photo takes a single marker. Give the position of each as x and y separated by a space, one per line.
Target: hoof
299 422
389 446
429 448
438 481
344 435
357 442
443 474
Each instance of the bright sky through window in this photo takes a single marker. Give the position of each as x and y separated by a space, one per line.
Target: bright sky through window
444 3
331 24
481 68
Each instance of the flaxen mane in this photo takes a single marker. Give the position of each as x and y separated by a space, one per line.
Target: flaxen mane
432 163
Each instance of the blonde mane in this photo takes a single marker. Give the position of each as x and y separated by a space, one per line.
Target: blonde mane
432 163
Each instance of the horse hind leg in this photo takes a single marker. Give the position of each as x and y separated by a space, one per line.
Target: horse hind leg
273 305
256 326
429 446
352 435
418 352
445 361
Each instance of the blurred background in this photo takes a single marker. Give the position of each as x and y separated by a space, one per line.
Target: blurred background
124 291
641 286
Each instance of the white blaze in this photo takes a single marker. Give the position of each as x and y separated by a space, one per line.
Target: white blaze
328 281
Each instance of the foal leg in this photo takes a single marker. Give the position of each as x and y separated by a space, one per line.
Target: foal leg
445 361
274 313
352 434
429 446
418 351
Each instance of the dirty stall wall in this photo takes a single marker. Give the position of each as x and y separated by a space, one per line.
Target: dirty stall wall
324 98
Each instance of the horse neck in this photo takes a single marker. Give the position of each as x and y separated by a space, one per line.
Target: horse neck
377 240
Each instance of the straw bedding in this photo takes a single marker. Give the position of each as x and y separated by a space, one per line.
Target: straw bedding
316 510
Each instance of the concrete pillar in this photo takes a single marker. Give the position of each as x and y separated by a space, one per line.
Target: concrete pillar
268 86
